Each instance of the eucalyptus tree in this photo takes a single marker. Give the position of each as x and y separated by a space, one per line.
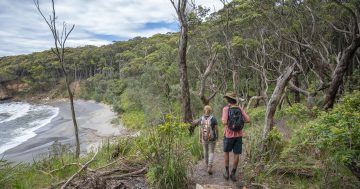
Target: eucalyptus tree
182 10
345 56
59 50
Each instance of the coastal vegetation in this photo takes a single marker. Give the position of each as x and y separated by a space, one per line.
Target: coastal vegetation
294 65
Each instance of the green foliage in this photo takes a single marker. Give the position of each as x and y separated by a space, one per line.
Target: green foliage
331 139
7 173
296 115
166 147
338 131
257 114
133 119
274 145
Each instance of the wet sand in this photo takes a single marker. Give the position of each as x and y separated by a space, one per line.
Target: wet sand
94 121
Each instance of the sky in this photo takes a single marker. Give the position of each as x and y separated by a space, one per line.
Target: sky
97 22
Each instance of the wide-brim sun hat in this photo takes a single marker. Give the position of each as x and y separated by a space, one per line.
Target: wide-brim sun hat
231 95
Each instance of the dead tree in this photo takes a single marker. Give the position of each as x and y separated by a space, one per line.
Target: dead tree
59 51
344 58
182 14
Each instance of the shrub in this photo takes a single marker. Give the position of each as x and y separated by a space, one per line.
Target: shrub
296 112
257 114
333 138
166 149
133 119
338 131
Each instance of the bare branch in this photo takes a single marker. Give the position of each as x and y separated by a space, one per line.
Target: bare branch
78 172
353 15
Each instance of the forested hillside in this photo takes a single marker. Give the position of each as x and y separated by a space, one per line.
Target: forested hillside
289 62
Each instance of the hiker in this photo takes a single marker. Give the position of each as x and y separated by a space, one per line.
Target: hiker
208 135
233 118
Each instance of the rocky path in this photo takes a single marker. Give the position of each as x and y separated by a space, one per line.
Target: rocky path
215 181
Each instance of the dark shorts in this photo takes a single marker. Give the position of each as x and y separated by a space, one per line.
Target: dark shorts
233 144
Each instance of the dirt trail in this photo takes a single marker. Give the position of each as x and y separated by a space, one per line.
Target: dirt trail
216 180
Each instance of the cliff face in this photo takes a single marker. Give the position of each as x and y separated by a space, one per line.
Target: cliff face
3 92
10 88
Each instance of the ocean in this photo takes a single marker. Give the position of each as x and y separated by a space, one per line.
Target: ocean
19 120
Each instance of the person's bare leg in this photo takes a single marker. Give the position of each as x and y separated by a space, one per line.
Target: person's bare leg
235 164
236 161
226 161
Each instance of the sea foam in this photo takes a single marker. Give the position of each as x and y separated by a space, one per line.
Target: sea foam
15 109
18 110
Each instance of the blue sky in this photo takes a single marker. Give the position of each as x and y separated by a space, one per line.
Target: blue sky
97 22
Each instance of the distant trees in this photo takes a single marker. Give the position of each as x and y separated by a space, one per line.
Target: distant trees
59 51
245 47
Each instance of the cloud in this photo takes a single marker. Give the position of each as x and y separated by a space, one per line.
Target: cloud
96 22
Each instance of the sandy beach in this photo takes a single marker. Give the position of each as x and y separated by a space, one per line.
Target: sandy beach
94 121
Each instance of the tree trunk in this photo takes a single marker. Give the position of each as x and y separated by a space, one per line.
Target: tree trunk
180 8
59 51
345 59
340 70
71 97
203 77
184 84
258 91
234 78
281 84
297 93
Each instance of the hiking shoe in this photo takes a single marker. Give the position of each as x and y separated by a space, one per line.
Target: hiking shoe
233 177
226 175
209 170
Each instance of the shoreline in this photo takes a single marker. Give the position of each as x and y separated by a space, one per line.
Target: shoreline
94 122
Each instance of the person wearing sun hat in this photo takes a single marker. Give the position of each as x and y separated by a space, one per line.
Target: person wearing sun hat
232 137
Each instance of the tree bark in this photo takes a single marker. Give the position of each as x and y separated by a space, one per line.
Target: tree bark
258 92
297 93
210 64
340 70
345 59
184 83
71 97
281 84
59 51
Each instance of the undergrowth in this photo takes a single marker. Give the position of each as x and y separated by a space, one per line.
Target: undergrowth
322 152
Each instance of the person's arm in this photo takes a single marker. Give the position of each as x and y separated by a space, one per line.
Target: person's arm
200 130
196 122
224 117
246 116
200 135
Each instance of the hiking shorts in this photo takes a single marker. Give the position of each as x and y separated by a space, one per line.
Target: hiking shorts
233 144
